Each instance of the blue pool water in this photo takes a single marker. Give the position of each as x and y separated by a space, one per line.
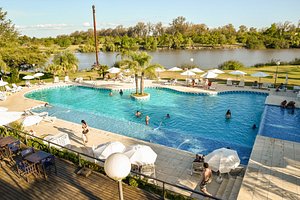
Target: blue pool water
197 122
281 123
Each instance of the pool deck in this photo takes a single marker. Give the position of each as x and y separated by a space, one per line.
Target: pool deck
172 165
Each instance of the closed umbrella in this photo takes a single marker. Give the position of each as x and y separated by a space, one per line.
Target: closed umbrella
105 150
175 69
260 75
196 70
8 117
223 160
141 155
32 120
209 74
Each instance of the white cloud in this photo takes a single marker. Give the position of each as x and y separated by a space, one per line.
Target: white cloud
44 27
86 24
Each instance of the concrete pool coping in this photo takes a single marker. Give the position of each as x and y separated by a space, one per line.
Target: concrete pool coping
172 165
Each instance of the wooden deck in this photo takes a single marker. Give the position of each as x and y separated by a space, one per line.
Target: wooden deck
65 185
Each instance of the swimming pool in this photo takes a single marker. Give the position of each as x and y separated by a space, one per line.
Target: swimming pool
281 123
197 123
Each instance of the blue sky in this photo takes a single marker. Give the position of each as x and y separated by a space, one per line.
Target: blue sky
42 18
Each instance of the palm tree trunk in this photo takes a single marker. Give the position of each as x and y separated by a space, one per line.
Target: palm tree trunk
142 84
136 84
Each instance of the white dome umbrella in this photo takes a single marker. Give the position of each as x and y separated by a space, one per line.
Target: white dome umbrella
175 69
216 71
103 151
141 155
188 73
209 75
28 77
114 70
223 160
38 74
196 70
32 120
8 117
260 75
238 73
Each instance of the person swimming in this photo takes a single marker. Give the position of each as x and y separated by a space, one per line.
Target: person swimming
138 114
168 116
254 126
228 114
147 119
121 92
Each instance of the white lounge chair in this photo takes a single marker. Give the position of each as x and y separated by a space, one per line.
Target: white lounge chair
78 79
27 83
229 82
17 88
2 96
67 79
56 79
9 89
241 83
255 85
213 86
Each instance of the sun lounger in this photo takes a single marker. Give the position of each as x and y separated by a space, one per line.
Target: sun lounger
9 89
17 88
241 83
56 79
255 85
2 96
229 82
67 79
213 86
197 168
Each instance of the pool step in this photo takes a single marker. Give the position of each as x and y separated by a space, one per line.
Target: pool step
236 188
222 188
228 189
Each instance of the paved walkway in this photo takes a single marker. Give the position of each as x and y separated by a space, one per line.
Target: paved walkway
273 171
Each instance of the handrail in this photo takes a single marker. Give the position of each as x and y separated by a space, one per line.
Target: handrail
102 161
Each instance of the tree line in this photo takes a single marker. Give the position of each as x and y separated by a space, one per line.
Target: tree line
179 34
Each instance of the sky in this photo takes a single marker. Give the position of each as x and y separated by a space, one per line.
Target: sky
44 18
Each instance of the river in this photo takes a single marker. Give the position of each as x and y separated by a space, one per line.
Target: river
205 59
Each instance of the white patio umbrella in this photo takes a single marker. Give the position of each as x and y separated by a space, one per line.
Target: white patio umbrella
28 77
141 155
38 74
105 150
259 75
175 69
32 120
238 73
216 71
158 70
223 160
188 73
8 117
196 70
209 75
114 70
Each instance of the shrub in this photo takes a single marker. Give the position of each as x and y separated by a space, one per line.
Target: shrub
231 65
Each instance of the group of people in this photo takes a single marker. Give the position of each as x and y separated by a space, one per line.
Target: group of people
147 118
289 105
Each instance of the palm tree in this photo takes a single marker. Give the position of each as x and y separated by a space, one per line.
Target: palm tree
67 61
139 63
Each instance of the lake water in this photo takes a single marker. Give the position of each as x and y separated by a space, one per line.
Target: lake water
206 59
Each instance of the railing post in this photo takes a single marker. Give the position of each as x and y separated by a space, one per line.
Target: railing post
79 164
164 192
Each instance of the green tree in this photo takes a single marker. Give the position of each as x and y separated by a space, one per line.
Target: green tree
231 65
67 62
139 63
8 34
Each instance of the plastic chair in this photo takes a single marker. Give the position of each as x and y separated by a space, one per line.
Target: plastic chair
27 152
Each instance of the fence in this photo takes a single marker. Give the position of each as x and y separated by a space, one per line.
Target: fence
164 184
